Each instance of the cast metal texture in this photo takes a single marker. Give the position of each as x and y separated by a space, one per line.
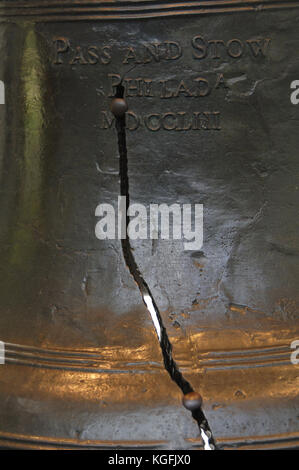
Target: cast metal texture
210 121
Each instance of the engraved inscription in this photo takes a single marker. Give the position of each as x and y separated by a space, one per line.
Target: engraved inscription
165 89
157 52
173 88
64 52
168 121
68 52
235 48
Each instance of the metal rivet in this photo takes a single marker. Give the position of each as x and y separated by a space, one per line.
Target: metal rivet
118 107
192 401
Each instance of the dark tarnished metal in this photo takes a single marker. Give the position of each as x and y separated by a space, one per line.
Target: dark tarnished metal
210 121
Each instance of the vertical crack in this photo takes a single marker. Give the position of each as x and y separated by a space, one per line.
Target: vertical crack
148 299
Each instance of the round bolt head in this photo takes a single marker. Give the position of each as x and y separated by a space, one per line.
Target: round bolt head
118 107
192 401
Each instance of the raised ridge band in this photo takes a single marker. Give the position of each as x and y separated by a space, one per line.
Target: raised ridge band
98 361
20 441
44 11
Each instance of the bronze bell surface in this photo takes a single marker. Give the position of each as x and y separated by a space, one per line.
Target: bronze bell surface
102 337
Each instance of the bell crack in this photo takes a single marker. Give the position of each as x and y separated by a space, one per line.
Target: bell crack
166 347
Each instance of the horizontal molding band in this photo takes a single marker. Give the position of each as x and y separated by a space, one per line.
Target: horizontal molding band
86 10
101 361
21 441
270 442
